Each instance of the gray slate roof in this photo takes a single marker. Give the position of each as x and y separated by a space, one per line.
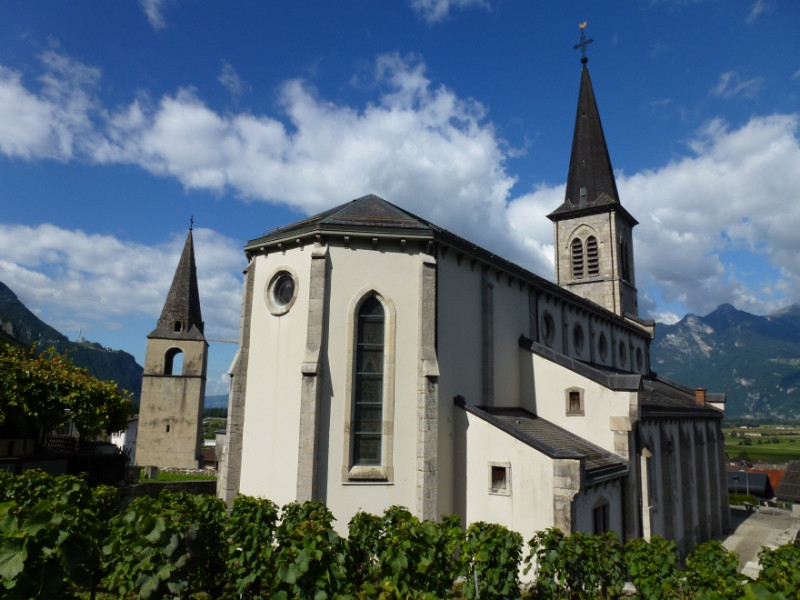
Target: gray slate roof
183 301
589 165
664 397
789 487
551 440
660 397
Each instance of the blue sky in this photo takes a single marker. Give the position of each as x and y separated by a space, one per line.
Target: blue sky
119 120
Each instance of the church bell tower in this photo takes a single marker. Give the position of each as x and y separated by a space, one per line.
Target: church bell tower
593 232
174 381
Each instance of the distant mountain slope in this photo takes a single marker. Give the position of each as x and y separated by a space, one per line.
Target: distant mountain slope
219 401
754 359
21 324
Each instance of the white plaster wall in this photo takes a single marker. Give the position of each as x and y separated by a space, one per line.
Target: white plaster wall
460 365
511 319
600 403
394 273
272 403
529 507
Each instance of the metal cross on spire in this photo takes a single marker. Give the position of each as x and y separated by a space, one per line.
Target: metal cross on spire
191 223
583 43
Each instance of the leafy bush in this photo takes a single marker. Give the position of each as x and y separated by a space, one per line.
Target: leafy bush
780 569
712 572
250 534
51 530
310 554
398 555
37 391
166 548
577 566
652 567
491 555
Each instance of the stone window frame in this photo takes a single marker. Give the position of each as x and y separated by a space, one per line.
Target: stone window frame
383 473
506 489
568 395
274 308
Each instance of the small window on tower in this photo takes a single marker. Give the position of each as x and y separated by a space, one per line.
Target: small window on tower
177 326
167 428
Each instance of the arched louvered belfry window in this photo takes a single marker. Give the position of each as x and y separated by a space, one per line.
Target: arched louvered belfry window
368 398
592 257
577 259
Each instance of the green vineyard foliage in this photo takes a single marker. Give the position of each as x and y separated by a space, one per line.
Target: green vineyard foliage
61 539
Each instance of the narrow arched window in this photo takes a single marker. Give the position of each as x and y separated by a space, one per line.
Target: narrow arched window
173 362
577 259
592 257
368 399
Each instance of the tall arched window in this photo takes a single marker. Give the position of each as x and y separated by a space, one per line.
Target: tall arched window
577 259
173 362
368 398
592 257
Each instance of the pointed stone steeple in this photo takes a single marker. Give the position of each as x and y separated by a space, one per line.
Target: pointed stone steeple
181 317
593 231
174 378
591 186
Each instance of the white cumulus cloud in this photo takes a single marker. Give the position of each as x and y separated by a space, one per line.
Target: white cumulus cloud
417 144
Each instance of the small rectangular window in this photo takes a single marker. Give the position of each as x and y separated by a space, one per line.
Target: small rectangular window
167 428
574 401
500 479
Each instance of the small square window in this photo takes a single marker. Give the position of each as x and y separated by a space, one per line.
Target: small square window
499 479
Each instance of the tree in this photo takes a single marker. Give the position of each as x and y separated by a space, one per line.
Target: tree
44 391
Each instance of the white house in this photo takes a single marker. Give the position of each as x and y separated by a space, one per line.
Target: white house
384 360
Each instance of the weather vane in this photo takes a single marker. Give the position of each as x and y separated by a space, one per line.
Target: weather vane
583 43
191 223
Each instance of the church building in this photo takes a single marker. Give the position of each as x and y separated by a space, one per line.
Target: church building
174 378
384 360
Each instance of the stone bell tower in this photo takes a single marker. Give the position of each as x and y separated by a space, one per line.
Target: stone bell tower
174 381
593 231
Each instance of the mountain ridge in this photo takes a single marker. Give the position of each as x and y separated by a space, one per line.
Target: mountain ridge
754 359
21 325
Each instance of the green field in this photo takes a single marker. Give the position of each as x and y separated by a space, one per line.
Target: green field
767 442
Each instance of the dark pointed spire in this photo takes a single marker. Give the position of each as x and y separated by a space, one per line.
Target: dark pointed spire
181 317
590 180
